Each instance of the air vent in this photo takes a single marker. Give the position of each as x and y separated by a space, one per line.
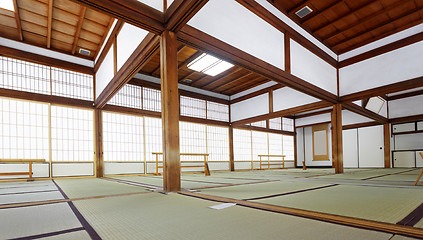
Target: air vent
187 81
304 11
84 52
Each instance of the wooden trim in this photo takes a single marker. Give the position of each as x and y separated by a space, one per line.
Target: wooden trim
181 12
313 124
108 45
49 22
405 95
360 125
413 118
382 50
78 28
409 132
130 11
267 16
231 149
56 100
40 59
257 93
204 121
267 130
283 113
313 114
337 151
98 143
321 127
364 112
207 43
18 20
142 54
391 88
131 111
287 46
387 145
103 38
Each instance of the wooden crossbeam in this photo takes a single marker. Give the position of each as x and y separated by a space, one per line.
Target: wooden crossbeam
364 112
180 12
18 20
49 22
78 29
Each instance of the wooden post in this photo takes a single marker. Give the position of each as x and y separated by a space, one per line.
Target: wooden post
387 145
30 172
170 111
98 143
337 151
231 149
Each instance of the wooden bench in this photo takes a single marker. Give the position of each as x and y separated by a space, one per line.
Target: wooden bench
205 164
269 163
29 161
421 173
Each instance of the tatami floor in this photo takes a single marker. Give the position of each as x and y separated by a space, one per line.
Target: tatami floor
270 204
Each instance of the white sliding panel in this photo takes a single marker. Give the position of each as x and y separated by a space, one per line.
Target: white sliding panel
350 148
370 143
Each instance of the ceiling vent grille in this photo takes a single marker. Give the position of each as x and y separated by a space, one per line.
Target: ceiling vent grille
304 11
84 52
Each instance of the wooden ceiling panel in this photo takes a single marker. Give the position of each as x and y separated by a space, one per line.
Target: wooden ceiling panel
34 39
67 6
62 37
33 6
98 17
63 27
65 16
59 45
87 45
9 32
34 28
8 21
33 17
90 36
6 12
94 27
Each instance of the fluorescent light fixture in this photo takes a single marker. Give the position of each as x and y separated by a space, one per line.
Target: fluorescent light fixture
209 65
7 4
375 104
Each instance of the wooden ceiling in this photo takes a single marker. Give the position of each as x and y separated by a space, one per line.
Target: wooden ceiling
344 25
229 82
60 25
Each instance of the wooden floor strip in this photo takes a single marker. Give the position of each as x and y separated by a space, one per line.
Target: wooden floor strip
413 218
289 193
347 221
388 174
51 234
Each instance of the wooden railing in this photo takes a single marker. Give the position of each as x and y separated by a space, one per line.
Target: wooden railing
421 173
29 161
205 163
269 163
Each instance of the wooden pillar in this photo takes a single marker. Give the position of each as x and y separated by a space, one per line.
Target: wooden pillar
231 149
170 111
337 138
295 145
98 143
387 145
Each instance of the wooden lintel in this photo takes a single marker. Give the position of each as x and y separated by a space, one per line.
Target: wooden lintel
313 114
35 58
130 11
405 95
180 12
18 20
49 22
413 118
283 113
78 28
268 130
135 62
364 112
360 125
257 93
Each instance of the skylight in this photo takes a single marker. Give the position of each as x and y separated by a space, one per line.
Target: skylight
7 4
209 65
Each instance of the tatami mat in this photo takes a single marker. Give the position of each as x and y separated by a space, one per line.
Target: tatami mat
158 216
158 181
419 224
373 203
79 235
90 187
364 174
28 221
30 197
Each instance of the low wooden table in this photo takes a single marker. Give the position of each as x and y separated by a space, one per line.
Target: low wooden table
421 173
29 161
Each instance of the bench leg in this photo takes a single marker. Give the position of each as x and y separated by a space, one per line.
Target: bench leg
30 179
417 181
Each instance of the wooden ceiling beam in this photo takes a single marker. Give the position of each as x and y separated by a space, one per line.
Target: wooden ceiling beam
257 93
405 95
49 22
130 11
364 112
205 42
180 12
191 73
223 85
78 28
313 113
381 25
366 20
103 38
246 86
190 59
153 73
283 113
108 44
132 66
18 20
220 77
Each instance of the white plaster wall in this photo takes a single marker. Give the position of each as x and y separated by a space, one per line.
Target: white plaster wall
285 98
313 120
111 168
392 67
234 24
409 141
349 117
406 106
309 67
72 169
250 108
309 148
127 41
300 146
105 73
156 4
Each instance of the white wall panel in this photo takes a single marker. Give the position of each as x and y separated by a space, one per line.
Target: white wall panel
38 169
309 67
350 148
406 106
419 126
404 159
242 165
285 98
156 4
127 41
370 143
353 118
105 73
251 90
234 24
300 146
403 127
313 120
72 169
419 159
111 168
409 141
395 66
218 166
250 108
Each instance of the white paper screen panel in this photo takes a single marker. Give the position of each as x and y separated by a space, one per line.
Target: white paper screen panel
105 73
250 108
285 98
353 118
312 120
392 67
419 126
405 127
306 65
409 141
232 23
127 41
406 107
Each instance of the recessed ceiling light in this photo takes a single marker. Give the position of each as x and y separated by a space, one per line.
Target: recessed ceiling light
7 4
304 11
187 80
209 65
84 52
